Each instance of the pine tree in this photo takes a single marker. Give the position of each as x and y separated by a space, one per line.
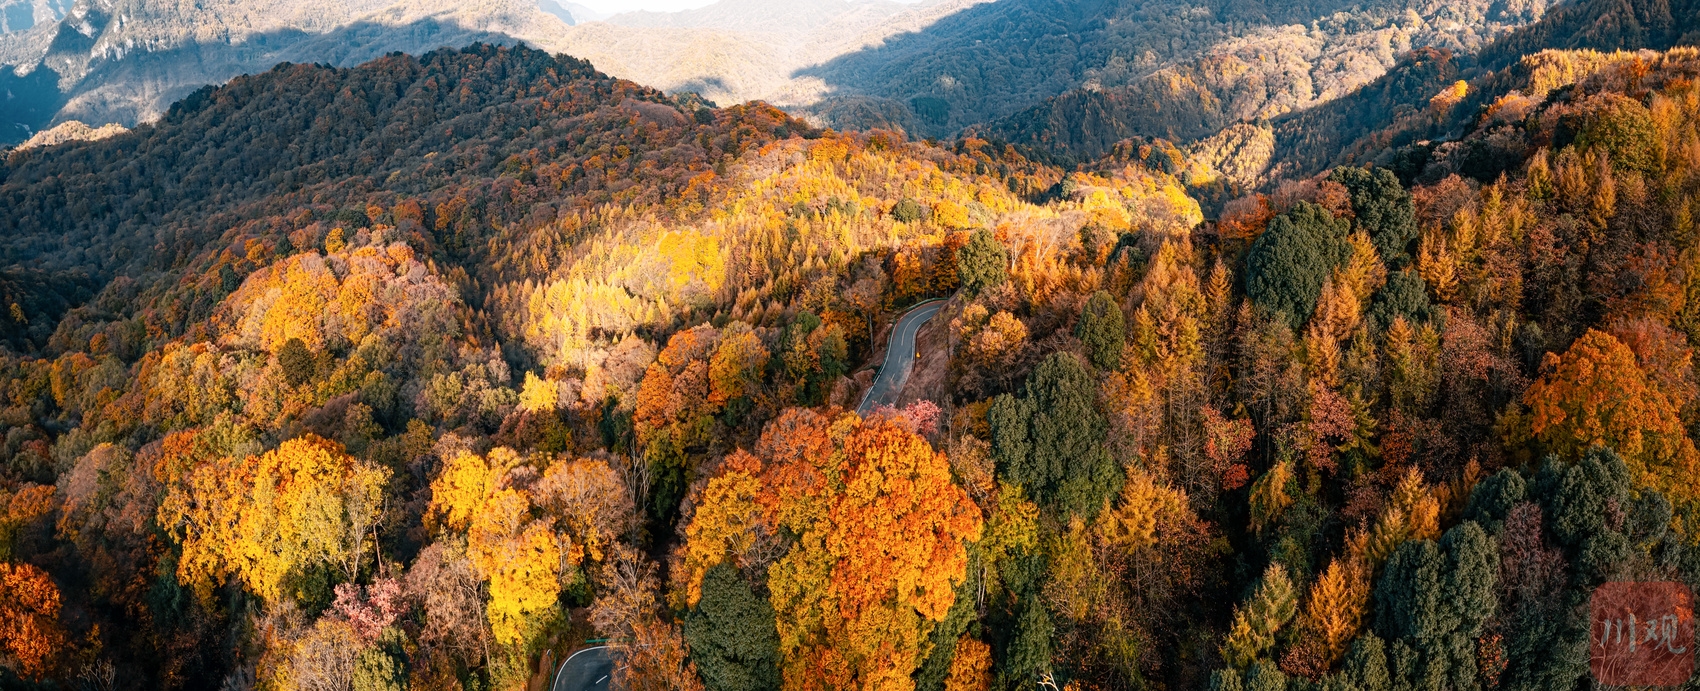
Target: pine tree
1289 262
1256 623
1102 331
1068 469
1382 208
982 263
296 361
731 635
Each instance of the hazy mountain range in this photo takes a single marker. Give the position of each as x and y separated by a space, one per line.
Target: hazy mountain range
126 61
1070 77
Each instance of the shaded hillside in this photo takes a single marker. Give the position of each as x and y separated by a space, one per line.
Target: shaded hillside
126 61
1349 126
1073 78
1603 25
1422 99
153 200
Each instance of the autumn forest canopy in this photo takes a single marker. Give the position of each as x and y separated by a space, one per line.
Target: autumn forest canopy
407 374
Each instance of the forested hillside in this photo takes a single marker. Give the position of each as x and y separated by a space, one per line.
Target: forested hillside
127 61
418 373
1072 78
1433 98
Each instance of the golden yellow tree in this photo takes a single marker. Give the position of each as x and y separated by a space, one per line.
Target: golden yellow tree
1133 523
461 488
971 667
512 543
521 559
262 519
727 514
1334 610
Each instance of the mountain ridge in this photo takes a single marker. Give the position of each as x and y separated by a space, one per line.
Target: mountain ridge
125 61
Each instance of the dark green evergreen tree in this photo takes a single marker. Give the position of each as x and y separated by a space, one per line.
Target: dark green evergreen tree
228 281
1226 680
732 635
934 669
1289 262
1102 330
382 667
1404 295
1008 418
1366 664
1382 209
1492 499
1263 675
1029 655
1581 503
981 263
907 211
1435 598
1052 441
296 361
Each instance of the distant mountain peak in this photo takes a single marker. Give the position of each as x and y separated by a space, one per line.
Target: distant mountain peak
93 51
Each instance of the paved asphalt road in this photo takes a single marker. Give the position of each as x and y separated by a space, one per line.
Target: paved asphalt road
899 357
585 670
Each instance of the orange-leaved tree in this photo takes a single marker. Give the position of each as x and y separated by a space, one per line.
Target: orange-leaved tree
971 667
882 533
18 508
1596 394
29 618
728 523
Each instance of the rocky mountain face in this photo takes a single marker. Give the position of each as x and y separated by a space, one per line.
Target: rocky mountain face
126 61
1074 84
21 15
1065 80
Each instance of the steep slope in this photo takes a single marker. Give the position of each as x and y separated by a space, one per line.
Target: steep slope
22 15
1072 78
1394 119
407 375
155 199
1604 25
125 61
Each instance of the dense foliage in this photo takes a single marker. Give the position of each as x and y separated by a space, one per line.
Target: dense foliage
400 376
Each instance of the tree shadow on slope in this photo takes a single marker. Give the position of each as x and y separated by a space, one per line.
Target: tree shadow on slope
994 60
157 200
140 85
1392 122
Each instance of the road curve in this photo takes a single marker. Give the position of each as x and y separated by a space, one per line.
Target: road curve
899 357
586 670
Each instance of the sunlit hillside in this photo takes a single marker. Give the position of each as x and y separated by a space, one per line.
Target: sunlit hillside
484 369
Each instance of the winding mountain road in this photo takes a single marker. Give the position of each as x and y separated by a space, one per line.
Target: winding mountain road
899 357
585 670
